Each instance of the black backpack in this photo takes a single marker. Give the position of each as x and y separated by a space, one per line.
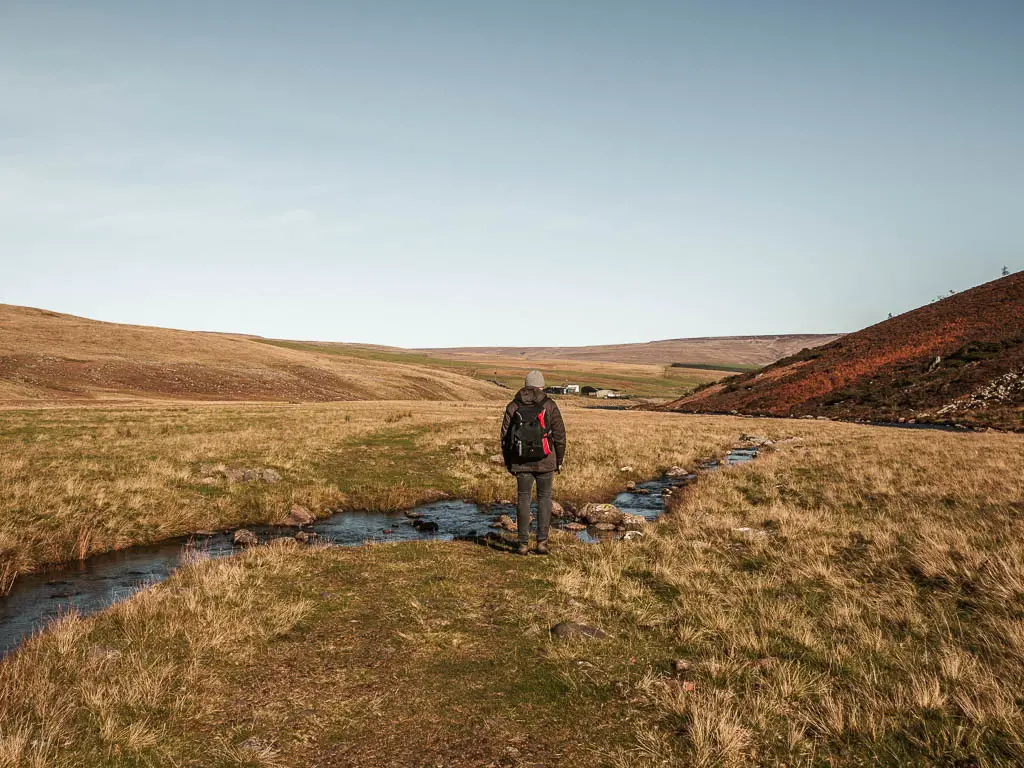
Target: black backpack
529 438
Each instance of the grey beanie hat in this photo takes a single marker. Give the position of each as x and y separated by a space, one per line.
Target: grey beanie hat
535 379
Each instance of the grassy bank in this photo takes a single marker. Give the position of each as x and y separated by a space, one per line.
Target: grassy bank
74 482
853 597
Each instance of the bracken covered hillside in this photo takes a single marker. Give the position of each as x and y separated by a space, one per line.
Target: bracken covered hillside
46 356
960 360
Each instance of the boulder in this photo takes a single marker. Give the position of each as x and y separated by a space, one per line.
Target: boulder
271 476
676 472
557 510
600 513
305 537
425 526
298 516
245 538
574 527
567 629
634 522
506 523
625 469
630 486
412 514
632 535
604 526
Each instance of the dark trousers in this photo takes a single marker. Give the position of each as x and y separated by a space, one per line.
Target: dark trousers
525 482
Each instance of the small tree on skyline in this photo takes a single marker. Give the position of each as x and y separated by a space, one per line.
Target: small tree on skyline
1006 271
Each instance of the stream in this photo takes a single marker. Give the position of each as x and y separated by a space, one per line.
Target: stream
90 585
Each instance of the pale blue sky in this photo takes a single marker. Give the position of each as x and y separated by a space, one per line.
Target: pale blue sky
476 172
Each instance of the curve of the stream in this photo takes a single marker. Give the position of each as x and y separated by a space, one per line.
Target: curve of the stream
90 585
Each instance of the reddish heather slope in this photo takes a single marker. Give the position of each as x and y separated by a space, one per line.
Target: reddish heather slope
957 360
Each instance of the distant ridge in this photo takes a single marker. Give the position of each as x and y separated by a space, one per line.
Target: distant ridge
959 360
730 351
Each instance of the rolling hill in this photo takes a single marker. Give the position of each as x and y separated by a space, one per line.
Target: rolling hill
959 360
46 356
722 352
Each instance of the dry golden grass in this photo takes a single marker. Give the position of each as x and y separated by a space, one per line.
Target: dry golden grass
89 693
853 597
46 356
75 482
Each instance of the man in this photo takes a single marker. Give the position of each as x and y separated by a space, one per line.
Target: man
533 445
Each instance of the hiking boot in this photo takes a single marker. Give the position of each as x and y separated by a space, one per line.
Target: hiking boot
542 547
524 549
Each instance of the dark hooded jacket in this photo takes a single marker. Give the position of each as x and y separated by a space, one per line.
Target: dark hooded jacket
553 419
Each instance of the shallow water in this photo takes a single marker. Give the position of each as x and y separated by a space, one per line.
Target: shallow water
90 585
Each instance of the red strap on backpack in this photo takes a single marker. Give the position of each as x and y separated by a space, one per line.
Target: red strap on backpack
544 442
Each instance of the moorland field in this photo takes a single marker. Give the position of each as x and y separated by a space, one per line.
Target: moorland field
854 596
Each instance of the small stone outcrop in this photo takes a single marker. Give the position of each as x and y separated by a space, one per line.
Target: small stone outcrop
245 538
595 514
756 441
298 515
505 523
